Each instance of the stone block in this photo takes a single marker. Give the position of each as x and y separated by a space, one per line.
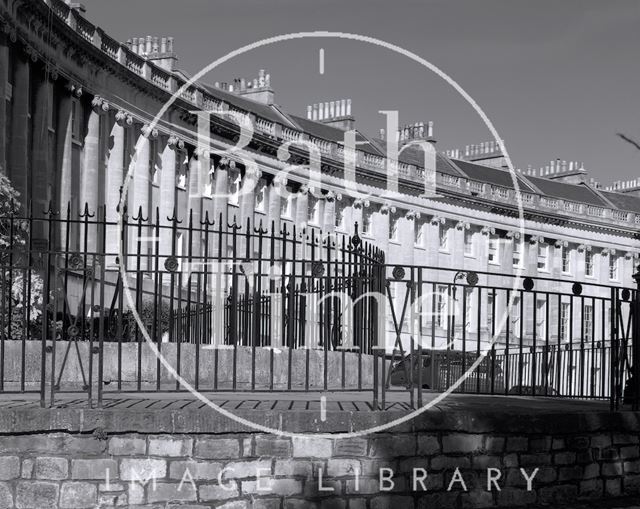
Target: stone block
517 444
272 447
386 502
171 492
540 444
228 489
36 494
513 497
393 446
494 445
217 448
343 467
428 445
449 463
578 443
570 473
6 497
27 468
246 469
170 446
127 446
476 498
141 470
350 447
99 468
192 469
613 487
591 488
9 467
293 468
462 443
564 458
235 504
266 503
310 447
280 487
611 469
558 494
78 495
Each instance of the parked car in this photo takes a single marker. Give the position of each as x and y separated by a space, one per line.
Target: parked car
527 390
441 368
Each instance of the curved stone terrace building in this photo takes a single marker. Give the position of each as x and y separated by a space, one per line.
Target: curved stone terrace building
77 103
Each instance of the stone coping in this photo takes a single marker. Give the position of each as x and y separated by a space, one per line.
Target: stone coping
206 420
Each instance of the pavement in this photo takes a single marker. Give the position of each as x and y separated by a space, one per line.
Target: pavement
348 401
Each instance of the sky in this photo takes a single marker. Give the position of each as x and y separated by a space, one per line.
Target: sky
558 79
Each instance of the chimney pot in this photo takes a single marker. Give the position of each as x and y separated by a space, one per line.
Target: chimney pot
309 112
170 44
348 112
156 45
163 45
149 44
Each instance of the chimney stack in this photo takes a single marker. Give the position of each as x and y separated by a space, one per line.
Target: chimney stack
158 50
258 89
334 113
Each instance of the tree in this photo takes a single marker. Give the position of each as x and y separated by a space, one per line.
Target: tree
21 287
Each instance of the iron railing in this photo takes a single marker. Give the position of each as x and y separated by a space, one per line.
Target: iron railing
235 306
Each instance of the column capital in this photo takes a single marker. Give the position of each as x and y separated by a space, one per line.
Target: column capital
607 251
73 89
330 196
513 235
124 119
462 225
534 239
386 208
630 255
31 52
10 31
175 143
488 230
437 221
560 243
584 247
148 132
412 215
253 172
99 104
360 203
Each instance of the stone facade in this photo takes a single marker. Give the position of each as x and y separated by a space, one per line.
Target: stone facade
97 145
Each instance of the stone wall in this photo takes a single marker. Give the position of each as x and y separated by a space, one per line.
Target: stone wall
228 470
129 361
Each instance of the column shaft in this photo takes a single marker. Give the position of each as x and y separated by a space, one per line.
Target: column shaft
115 176
4 79
64 161
19 151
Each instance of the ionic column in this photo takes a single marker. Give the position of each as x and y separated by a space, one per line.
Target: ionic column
90 176
4 78
457 252
220 203
406 235
89 188
115 177
139 197
329 217
40 141
198 168
356 215
166 207
19 151
64 137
